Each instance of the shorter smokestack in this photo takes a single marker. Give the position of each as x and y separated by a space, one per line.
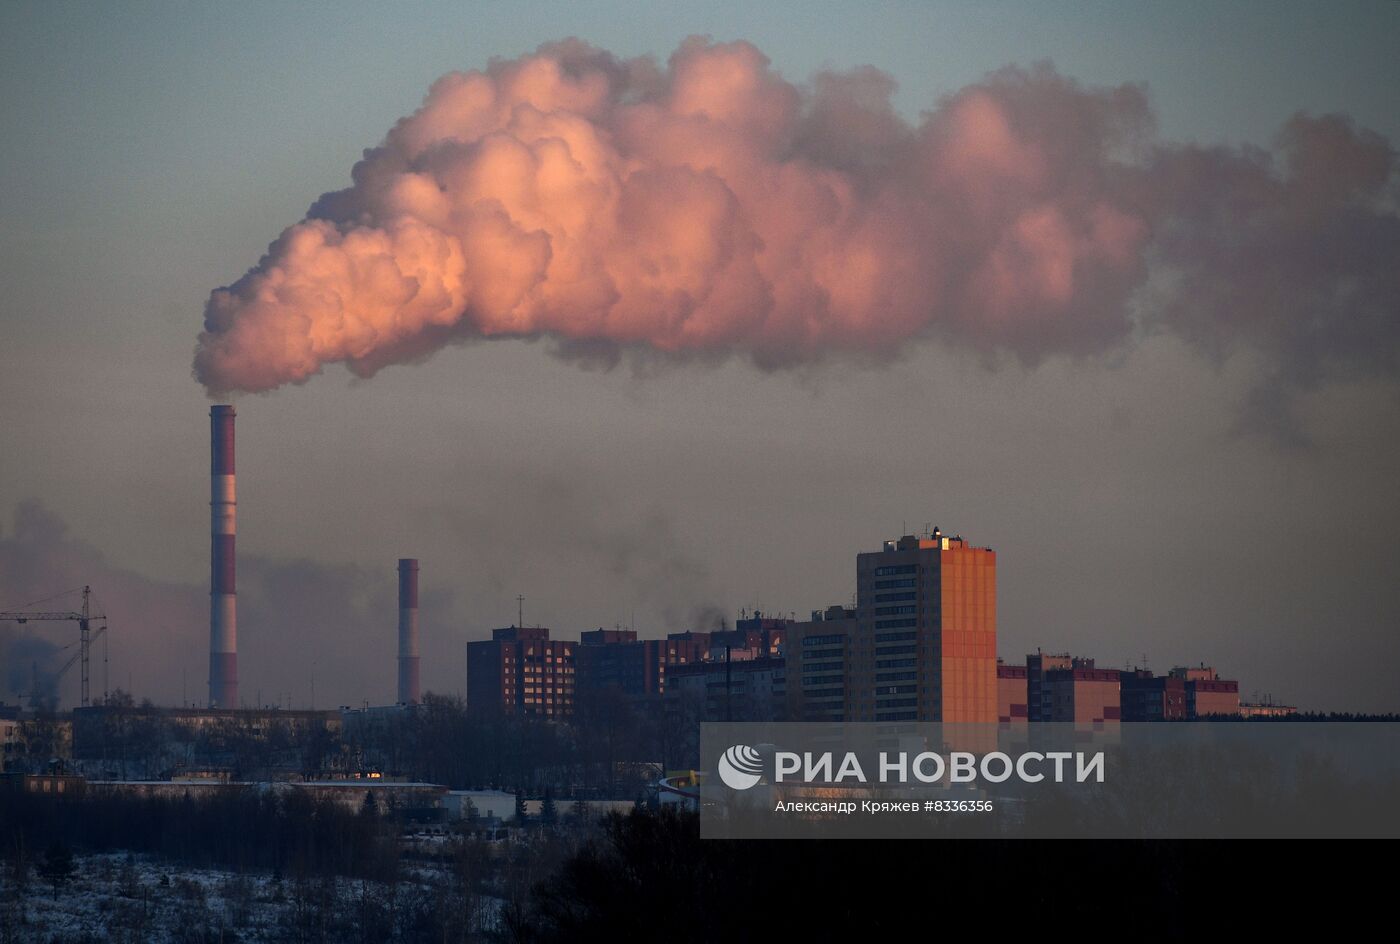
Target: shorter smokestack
408 631
223 599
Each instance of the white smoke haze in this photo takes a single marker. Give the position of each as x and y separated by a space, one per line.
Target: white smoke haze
301 623
709 207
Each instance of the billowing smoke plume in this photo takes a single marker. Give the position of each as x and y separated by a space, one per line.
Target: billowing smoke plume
711 207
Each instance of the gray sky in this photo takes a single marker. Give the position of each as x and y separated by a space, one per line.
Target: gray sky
149 153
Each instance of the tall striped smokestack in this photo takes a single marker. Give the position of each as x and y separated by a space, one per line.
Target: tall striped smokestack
223 616
408 631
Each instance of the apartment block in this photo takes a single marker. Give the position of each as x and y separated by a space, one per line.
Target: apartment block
521 671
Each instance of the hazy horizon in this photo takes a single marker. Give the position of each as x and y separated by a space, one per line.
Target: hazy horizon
1138 507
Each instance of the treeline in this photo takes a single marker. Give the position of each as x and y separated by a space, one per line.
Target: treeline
238 829
1338 716
610 749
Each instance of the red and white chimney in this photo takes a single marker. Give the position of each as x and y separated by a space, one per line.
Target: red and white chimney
223 614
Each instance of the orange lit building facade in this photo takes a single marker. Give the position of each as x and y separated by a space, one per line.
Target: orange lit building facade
925 645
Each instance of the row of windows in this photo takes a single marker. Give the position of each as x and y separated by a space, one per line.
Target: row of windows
895 637
895 597
901 584
891 570
895 703
898 716
896 663
820 666
895 610
897 677
908 650
896 690
821 680
895 623
823 640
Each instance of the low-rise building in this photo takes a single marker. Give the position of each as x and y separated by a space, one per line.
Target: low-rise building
1207 694
1266 709
743 689
1012 697
1148 697
1083 694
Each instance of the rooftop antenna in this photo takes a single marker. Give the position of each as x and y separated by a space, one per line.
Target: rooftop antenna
520 611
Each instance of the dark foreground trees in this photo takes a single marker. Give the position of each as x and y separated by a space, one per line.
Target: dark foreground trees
651 877
57 865
241 830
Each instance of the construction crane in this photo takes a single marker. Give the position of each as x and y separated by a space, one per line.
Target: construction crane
84 618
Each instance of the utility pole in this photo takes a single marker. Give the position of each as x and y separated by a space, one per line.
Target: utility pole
520 611
728 701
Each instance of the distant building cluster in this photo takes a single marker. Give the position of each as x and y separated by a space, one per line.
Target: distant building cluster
918 645
521 671
1061 687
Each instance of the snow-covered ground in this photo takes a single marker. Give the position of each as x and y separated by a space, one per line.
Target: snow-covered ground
116 897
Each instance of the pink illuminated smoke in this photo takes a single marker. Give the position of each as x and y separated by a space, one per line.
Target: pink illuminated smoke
713 207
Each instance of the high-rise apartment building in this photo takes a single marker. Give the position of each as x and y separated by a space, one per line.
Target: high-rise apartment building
919 645
927 646
521 671
819 655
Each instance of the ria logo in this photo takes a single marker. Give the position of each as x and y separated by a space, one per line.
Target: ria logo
740 767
